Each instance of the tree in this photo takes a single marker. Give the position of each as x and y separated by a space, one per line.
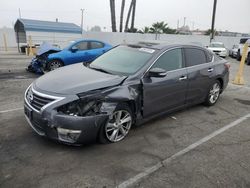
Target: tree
112 11
208 32
144 30
133 16
121 15
158 27
131 9
133 30
169 31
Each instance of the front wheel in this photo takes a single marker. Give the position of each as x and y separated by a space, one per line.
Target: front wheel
54 64
213 94
118 125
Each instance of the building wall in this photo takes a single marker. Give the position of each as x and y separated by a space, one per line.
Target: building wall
117 38
63 39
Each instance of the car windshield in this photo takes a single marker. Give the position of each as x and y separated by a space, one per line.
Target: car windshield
216 45
123 60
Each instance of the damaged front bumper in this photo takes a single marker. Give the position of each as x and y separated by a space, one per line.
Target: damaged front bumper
37 66
64 128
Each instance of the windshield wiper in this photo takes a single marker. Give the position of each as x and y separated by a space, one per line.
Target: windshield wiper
100 69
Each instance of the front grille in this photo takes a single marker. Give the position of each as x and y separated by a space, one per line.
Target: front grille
37 101
216 51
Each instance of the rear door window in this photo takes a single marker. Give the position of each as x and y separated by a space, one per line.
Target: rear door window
96 45
194 56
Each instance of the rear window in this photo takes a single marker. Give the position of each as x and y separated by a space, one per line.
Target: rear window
95 45
194 57
243 41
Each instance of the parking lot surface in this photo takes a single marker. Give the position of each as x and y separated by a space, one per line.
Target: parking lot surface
27 160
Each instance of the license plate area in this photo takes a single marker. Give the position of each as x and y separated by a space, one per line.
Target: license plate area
28 112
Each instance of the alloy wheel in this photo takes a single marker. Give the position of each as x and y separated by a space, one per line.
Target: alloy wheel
214 93
118 125
54 65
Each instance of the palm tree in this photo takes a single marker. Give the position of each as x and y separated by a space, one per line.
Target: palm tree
158 27
133 15
112 11
128 16
145 30
121 15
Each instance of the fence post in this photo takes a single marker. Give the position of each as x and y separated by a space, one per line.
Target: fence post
5 42
30 47
239 80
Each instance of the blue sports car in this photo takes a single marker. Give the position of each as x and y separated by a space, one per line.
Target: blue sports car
49 58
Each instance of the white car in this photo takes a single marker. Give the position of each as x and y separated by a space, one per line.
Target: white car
218 48
242 42
233 52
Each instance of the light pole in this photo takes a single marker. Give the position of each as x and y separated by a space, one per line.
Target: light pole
82 20
213 20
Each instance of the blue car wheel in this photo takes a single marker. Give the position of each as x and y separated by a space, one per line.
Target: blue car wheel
54 64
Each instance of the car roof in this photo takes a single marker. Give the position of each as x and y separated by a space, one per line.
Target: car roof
88 40
160 45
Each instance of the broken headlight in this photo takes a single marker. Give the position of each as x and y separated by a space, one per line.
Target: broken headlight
81 108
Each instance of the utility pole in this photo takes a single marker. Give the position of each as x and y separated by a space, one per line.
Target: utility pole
19 10
82 20
178 24
213 20
184 21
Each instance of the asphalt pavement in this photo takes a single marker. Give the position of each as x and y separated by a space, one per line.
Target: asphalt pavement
196 147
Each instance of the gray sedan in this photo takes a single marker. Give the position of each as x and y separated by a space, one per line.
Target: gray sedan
128 85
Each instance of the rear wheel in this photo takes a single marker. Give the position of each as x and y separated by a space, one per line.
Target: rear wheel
118 125
54 64
248 59
238 57
213 94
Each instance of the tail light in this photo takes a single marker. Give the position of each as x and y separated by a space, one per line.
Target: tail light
227 65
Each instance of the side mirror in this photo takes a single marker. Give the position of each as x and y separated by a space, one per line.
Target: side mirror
74 49
157 72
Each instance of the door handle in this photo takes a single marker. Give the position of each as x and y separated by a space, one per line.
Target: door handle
182 78
210 70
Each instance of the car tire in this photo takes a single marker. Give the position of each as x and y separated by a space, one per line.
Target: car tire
213 93
114 130
238 57
248 59
54 64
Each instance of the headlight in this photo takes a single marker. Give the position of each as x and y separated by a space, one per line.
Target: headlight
81 107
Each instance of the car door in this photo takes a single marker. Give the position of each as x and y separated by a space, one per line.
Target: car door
200 74
78 52
96 49
169 92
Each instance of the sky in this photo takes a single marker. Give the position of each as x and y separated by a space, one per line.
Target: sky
231 15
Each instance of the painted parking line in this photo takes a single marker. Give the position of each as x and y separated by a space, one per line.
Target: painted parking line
166 161
10 110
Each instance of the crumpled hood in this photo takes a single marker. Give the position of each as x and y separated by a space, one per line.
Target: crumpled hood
74 79
47 47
